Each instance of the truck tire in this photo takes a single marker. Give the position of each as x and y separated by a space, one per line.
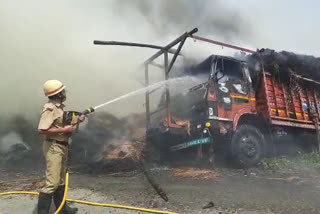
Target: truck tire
247 145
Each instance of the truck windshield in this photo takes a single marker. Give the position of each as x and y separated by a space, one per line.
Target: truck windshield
228 70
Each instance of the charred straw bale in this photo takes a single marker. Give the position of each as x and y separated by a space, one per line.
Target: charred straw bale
284 61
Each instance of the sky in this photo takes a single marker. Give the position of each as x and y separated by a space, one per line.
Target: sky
43 40
283 25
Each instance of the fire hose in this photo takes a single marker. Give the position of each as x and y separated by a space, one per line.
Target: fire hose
162 194
117 206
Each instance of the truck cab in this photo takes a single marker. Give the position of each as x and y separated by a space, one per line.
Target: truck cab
226 89
230 91
212 108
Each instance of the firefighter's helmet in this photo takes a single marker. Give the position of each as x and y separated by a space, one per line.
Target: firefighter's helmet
52 87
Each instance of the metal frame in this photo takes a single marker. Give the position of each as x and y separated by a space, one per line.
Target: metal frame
167 66
223 44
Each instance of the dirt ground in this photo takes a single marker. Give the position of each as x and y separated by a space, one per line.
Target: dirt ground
230 190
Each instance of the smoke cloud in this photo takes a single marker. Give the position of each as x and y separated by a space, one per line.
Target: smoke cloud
43 40
212 17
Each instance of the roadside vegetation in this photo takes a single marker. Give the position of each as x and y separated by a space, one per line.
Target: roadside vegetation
302 161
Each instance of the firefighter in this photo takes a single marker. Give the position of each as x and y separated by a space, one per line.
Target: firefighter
55 147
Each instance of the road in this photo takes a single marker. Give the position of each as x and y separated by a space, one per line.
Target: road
233 191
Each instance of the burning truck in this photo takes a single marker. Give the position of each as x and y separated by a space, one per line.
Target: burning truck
244 105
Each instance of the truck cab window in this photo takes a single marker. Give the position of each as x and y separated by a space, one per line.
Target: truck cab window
229 74
220 74
228 69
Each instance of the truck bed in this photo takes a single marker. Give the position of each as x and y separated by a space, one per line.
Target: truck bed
288 104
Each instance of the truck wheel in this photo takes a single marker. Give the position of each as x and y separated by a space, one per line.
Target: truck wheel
247 145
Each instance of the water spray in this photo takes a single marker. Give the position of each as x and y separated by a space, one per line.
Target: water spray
141 90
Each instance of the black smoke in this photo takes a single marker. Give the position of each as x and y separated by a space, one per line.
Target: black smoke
212 17
285 61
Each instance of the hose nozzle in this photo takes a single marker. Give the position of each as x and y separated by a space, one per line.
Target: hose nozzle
88 111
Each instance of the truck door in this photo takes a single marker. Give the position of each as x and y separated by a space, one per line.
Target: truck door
230 85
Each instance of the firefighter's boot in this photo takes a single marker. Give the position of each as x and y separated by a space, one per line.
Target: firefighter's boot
44 203
58 197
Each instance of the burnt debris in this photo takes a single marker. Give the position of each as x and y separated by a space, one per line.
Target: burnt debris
284 61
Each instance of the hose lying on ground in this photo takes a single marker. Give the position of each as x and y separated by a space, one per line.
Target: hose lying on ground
151 180
88 202
94 203
141 166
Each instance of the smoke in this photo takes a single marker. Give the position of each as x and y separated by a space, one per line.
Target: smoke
13 149
212 17
284 61
10 142
104 133
43 40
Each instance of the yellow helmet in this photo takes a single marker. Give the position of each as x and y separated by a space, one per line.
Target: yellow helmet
52 87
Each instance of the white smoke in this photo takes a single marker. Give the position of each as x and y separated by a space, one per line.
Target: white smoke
10 142
43 40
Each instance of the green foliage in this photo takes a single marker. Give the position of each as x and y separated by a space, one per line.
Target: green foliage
278 163
304 160
311 160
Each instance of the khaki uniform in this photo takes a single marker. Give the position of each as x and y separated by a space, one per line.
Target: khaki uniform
55 148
